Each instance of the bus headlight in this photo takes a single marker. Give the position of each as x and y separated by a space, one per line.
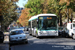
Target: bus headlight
40 32
55 31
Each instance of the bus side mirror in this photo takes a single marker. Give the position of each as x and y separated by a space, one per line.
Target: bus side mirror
37 22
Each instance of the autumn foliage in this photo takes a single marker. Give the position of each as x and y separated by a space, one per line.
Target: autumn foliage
23 19
7 13
14 0
62 8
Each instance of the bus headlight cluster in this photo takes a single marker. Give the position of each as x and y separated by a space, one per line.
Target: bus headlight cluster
40 32
55 31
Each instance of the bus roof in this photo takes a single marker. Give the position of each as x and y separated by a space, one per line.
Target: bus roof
35 17
32 18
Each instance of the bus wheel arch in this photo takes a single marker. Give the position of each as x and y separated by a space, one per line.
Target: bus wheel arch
73 36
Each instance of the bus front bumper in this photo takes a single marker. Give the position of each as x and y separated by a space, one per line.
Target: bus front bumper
46 34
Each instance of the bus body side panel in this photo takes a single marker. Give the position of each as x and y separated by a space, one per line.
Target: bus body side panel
30 30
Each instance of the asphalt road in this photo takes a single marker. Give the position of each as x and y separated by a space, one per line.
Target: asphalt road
49 43
4 46
45 43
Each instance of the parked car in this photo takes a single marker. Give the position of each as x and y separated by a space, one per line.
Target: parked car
26 29
12 28
1 37
22 28
60 30
71 30
65 32
17 36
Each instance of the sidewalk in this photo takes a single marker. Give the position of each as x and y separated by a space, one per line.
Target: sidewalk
6 37
6 33
4 47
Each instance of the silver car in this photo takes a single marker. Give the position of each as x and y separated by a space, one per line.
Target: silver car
17 36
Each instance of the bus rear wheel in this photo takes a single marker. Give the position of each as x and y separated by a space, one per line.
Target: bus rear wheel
73 37
30 34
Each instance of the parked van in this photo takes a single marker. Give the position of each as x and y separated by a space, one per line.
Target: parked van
71 29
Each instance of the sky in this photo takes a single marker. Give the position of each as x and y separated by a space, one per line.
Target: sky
21 3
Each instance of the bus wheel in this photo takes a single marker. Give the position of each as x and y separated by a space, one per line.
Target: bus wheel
73 37
67 35
30 34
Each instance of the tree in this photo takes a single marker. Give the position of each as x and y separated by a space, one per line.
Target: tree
23 19
71 7
14 0
36 7
56 7
7 10
59 7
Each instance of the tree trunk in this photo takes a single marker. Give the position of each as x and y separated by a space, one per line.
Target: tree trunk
68 15
60 18
71 17
1 25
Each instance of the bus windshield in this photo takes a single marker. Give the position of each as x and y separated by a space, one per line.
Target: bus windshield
47 23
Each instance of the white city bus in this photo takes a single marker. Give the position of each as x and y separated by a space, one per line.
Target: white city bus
43 25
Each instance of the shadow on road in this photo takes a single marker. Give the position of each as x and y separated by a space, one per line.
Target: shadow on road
22 43
43 46
18 44
52 37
